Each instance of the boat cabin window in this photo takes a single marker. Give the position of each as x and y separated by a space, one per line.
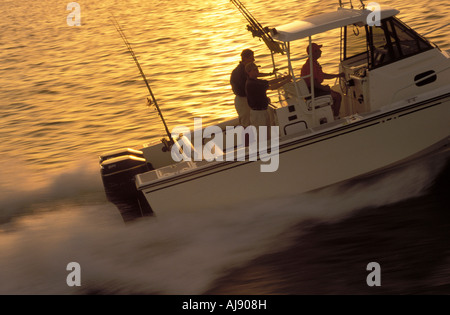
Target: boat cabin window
355 42
393 41
407 41
382 52
377 46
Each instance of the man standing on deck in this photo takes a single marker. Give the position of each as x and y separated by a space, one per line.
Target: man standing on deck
256 90
237 81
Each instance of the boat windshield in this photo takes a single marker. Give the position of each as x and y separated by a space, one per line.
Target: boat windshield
392 41
382 44
356 43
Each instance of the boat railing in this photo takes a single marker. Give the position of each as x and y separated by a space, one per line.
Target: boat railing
349 3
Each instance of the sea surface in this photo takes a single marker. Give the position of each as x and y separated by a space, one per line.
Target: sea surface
71 93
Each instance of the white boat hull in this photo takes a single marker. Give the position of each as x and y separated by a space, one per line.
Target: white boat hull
307 163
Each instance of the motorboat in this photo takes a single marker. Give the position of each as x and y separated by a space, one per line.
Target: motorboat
395 92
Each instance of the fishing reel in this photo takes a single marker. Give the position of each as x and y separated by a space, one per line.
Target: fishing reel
167 144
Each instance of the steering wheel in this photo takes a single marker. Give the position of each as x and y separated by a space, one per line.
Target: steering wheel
343 84
378 57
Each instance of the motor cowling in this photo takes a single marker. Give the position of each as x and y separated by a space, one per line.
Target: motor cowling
118 170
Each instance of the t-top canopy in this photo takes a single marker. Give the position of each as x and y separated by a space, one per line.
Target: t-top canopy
325 22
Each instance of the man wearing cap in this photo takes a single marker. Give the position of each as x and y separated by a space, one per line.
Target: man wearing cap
237 81
319 76
256 90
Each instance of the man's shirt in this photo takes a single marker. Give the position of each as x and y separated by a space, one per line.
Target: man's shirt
256 93
317 72
238 79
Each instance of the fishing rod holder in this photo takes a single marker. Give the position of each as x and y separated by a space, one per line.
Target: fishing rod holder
258 32
257 29
167 144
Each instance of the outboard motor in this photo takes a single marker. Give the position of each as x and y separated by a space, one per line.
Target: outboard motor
118 170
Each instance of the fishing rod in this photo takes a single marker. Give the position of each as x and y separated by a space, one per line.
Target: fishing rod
257 29
166 143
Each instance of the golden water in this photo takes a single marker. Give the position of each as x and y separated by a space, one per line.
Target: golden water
68 94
